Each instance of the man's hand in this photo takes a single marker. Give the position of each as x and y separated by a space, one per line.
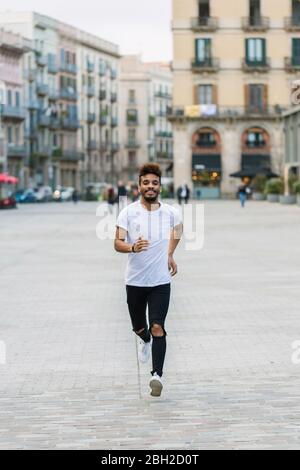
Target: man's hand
172 265
140 245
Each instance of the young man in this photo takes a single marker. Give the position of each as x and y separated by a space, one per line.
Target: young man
149 231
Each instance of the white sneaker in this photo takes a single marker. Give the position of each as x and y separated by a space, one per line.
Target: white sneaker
156 385
144 350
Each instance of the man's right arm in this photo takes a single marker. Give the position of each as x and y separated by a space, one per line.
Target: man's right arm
121 246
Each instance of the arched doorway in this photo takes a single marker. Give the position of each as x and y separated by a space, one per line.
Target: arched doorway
206 163
255 155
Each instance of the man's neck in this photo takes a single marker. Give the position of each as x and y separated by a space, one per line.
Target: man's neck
150 206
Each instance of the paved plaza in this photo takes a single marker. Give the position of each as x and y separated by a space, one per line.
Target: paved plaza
71 378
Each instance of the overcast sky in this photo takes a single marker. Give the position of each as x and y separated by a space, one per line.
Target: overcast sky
137 26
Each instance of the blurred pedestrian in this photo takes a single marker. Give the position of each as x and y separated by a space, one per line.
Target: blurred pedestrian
111 198
75 196
242 192
122 193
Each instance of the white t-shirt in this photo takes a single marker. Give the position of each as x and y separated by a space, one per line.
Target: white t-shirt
148 268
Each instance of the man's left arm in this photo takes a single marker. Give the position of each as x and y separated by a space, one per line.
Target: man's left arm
175 237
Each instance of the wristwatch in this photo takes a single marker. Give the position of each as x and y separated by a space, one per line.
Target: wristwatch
132 249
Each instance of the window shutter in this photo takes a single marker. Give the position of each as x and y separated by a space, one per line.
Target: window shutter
246 96
215 94
265 97
196 94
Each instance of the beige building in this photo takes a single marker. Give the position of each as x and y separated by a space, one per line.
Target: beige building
234 62
146 133
71 93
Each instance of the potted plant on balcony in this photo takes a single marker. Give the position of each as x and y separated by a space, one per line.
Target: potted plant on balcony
258 186
291 197
274 188
296 188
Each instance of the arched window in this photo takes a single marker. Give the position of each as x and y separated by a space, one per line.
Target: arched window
255 138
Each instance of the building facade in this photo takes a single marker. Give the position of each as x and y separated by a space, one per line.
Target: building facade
233 66
13 148
71 93
146 133
292 141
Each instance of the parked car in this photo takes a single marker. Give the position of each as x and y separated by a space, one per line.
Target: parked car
44 194
29 195
96 191
18 194
8 202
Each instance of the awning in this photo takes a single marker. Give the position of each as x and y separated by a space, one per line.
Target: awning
4 178
255 164
206 162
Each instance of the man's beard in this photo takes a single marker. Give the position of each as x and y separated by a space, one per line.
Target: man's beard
153 198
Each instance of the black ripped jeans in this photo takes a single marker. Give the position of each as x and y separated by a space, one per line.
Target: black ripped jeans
157 299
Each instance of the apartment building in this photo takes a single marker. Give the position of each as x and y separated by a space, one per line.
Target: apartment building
234 63
13 149
71 92
146 133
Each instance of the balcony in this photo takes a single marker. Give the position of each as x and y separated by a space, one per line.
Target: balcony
92 145
164 156
132 144
70 124
52 68
103 120
114 121
113 74
161 113
91 117
102 71
291 64
16 151
164 134
13 113
41 60
53 95
102 95
54 123
292 23
90 67
43 151
210 65
44 121
90 91
115 147
262 66
33 104
179 113
30 75
204 24
104 146
113 97
72 156
42 89
68 94
132 122
70 68
257 23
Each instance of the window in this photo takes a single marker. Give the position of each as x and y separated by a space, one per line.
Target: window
205 94
206 139
9 97
203 50
132 116
17 99
131 96
131 135
255 51
256 98
254 11
9 135
296 51
255 138
204 8
296 12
